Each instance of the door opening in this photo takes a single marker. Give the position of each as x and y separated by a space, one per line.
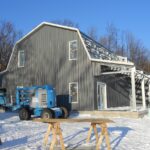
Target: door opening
101 96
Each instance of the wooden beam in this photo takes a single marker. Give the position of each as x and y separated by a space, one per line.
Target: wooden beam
112 62
115 72
91 120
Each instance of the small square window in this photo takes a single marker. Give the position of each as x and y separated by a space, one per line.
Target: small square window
21 58
73 50
73 92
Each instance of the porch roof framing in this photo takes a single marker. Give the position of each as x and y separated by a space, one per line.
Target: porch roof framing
134 74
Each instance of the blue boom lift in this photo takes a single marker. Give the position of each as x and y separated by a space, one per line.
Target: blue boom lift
39 101
3 99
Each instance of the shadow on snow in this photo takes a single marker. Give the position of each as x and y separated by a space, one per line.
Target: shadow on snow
121 133
14 143
7 115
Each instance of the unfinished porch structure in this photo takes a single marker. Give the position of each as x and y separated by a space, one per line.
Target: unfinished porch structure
115 69
137 81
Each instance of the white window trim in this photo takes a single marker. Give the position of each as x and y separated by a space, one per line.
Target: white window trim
19 58
76 50
20 86
70 92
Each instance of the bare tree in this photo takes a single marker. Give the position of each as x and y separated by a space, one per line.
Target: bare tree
110 40
136 51
126 44
66 22
121 44
92 32
8 36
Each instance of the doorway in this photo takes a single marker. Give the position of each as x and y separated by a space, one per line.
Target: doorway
101 96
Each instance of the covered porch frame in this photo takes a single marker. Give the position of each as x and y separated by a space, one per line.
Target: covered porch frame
133 73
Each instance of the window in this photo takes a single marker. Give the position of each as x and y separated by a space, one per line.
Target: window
73 50
21 58
73 92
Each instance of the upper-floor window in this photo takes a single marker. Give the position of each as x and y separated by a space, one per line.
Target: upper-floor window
73 92
73 50
21 58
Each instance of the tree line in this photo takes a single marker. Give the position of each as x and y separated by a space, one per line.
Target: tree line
8 36
122 43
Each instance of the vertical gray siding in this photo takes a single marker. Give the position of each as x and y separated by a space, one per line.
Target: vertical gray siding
46 62
1 80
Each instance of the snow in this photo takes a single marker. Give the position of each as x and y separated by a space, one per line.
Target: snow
125 133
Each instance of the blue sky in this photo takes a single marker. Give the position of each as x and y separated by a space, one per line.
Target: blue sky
132 15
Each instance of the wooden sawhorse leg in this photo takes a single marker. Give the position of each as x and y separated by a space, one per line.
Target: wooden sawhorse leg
56 131
92 127
47 134
104 133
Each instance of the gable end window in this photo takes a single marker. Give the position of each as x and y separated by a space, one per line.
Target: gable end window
73 50
73 92
21 58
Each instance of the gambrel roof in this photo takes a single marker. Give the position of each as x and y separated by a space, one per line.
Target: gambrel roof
95 51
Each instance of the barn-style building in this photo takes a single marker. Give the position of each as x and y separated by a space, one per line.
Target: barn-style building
85 74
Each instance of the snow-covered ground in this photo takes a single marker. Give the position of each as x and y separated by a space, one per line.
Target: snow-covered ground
125 134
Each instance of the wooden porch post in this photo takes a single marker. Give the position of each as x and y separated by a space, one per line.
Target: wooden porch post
149 91
105 101
133 97
143 93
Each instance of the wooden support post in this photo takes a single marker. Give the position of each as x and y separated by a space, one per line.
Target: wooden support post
104 133
47 134
149 91
100 140
53 139
61 137
143 93
57 132
95 131
107 138
105 97
89 134
92 127
133 97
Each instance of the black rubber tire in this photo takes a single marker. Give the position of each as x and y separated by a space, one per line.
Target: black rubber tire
24 114
65 113
47 114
